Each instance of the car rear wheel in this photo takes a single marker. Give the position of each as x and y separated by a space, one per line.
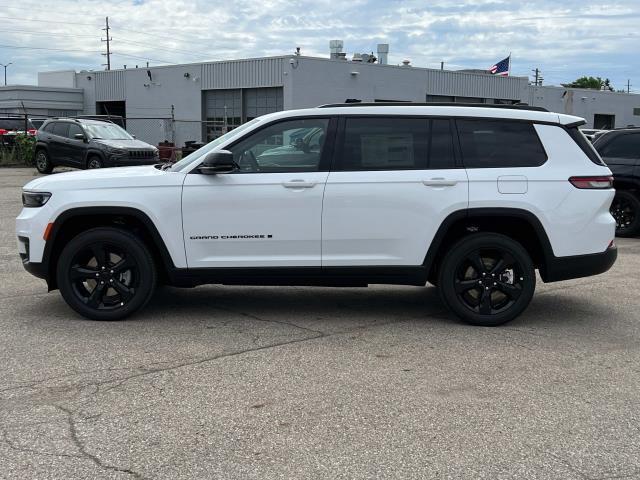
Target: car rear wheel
625 208
94 162
106 274
487 279
43 162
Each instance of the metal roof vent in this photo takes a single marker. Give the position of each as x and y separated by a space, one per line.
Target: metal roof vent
406 63
335 48
383 53
356 57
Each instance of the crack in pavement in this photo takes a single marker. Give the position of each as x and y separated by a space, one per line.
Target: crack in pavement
73 431
12 445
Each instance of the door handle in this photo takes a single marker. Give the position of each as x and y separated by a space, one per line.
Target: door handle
298 184
439 182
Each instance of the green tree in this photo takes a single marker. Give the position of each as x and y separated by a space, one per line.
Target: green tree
594 83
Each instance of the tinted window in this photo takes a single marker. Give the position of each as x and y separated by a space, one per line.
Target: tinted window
441 145
499 143
384 144
49 127
291 146
74 129
60 128
622 146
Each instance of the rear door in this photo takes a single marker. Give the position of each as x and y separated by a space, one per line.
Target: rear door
393 181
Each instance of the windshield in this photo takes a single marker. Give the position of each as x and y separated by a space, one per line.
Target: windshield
211 145
107 131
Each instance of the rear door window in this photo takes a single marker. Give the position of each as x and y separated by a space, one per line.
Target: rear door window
499 144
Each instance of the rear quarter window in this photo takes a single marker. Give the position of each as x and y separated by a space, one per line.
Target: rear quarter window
499 144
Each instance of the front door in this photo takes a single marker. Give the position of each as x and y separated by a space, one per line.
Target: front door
268 213
394 182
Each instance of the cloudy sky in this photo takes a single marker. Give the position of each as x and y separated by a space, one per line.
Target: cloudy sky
565 39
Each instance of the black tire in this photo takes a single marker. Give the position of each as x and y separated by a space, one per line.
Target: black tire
625 208
43 162
487 279
106 274
94 162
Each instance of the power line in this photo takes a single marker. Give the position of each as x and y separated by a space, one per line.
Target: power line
49 21
142 58
51 49
49 33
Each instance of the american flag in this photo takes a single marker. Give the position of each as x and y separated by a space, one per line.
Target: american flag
502 67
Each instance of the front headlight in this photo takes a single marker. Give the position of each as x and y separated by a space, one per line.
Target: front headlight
117 152
35 199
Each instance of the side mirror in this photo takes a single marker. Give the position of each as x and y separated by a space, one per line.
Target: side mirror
134 136
79 136
218 162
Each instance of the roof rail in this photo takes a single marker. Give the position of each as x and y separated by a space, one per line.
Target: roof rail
516 106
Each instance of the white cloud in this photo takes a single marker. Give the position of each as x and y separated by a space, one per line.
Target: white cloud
564 39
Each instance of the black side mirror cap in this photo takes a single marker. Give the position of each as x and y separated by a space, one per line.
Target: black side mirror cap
80 136
218 162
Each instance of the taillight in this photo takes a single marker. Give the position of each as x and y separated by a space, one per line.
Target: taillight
593 183
32 131
3 131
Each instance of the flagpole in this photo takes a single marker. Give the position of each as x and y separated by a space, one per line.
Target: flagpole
509 71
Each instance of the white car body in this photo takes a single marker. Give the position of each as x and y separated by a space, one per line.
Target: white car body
334 226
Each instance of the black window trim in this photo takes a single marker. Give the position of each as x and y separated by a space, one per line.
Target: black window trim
531 122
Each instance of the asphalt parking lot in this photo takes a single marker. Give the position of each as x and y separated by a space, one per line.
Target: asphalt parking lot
235 382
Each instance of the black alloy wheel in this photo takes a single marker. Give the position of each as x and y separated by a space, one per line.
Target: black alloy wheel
106 274
43 162
94 162
625 209
487 279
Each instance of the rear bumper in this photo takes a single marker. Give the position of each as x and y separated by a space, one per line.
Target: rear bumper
577 266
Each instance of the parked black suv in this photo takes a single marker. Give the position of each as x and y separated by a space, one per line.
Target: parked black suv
88 143
620 149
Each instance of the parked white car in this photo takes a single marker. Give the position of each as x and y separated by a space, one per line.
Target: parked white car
471 199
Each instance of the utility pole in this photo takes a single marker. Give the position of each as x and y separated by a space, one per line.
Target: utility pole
538 77
108 39
628 85
5 71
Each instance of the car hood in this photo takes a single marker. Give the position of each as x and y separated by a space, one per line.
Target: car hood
133 144
121 177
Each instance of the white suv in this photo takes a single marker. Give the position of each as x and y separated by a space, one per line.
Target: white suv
470 199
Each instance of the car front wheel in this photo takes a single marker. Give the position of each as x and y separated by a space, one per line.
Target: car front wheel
487 279
106 274
94 162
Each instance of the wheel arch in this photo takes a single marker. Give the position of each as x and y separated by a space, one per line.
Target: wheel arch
74 221
521 225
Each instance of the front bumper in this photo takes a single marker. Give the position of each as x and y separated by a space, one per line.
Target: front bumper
577 266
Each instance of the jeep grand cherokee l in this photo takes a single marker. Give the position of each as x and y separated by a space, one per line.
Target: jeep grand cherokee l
472 199
86 143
